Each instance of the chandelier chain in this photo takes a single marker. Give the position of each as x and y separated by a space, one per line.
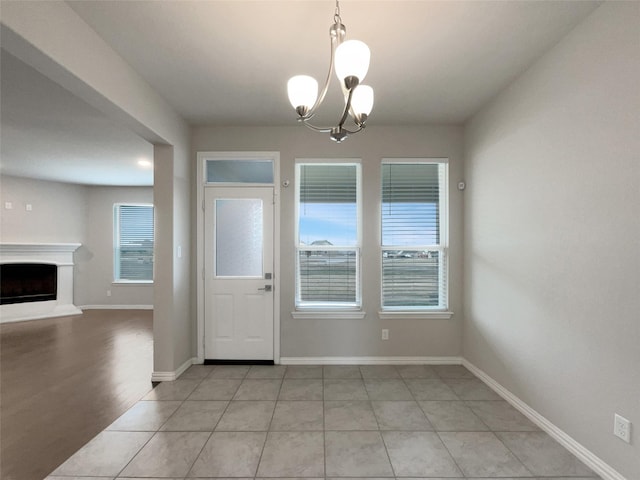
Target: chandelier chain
336 16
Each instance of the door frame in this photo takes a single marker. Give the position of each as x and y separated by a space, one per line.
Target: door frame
202 158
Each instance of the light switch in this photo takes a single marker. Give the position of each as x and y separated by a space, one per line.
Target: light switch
29 207
8 205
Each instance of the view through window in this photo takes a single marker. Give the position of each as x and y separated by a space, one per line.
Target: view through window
328 240
414 254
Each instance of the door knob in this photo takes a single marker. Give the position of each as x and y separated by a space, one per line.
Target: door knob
267 288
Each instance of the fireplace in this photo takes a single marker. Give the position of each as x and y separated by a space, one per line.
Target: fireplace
28 282
36 281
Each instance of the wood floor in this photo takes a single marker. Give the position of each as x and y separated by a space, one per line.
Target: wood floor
64 380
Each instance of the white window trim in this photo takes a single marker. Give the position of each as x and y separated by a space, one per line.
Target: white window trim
337 314
116 241
414 315
325 310
442 311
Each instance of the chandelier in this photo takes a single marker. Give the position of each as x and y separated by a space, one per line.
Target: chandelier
350 61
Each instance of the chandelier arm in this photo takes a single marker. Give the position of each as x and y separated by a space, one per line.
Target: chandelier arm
315 128
324 89
336 34
347 107
351 132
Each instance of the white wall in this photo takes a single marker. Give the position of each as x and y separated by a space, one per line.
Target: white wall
349 338
552 222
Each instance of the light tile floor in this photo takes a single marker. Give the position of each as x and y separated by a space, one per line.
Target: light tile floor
318 422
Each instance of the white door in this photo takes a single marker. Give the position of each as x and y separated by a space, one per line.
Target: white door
239 273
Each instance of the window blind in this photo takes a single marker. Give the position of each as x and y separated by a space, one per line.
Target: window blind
327 277
410 204
328 183
327 244
134 243
413 281
413 258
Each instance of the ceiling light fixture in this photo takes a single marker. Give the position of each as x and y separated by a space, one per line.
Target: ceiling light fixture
350 61
144 163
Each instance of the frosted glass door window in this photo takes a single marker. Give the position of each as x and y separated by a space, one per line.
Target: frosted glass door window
239 237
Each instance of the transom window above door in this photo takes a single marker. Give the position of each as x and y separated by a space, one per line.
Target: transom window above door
239 170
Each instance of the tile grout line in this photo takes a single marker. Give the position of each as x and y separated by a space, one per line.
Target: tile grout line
324 431
380 432
135 455
512 453
213 430
433 426
490 430
154 433
266 434
464 475
195 459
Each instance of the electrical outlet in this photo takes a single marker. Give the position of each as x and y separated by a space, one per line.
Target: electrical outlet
108 293
622 428
385 334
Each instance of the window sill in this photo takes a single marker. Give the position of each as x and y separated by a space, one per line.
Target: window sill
328 314
426 315
132 282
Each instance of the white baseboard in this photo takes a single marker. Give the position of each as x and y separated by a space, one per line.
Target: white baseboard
56 311
182 368
594 462
171 376
163 376
370 360
116 307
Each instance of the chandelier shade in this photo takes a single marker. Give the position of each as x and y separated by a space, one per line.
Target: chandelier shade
350 63
352 60
303 91
362 101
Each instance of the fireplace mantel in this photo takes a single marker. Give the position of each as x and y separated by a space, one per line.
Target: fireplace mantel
48 252
60 254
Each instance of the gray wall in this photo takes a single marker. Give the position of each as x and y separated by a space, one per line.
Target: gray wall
68 213
58 215
552 222
95 260
349 338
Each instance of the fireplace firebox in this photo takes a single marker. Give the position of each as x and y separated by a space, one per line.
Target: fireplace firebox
28 282
58 257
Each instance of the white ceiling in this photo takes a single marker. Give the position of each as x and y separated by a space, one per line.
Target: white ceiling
50 134
227 62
